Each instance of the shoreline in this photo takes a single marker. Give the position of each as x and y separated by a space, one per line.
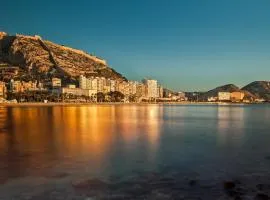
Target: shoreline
119 103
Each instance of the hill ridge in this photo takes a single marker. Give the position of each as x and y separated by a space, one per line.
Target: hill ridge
44 59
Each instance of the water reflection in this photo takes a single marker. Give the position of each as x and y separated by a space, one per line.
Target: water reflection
41 138
230 124
106 139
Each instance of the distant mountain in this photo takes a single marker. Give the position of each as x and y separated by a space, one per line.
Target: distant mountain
259 88
226 88
38 58
214 92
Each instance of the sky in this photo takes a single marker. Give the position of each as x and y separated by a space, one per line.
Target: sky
187 45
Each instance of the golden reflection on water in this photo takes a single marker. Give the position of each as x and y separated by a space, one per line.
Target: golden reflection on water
42 136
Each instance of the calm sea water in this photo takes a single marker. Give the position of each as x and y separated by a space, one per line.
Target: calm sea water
38 145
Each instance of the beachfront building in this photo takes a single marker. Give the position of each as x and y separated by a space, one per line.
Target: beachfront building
112 84
123 87
224 96
148 89
84 83
141 90
132 87
152 88
75 91
237 96
21 86
101 84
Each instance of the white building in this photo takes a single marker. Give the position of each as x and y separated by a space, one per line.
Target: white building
224 96
75 91
132 87
152 88
112 85
94 83
84 83
101 82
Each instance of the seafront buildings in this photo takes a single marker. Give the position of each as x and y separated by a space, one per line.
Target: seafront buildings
147 89
92 88
224 96
102 89
3 90
237 96
152 88
229 96
22 86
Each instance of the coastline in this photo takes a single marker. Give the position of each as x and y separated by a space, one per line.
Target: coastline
30 104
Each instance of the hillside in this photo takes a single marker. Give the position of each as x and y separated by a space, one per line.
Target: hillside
226 88
38 58
214 92
259 88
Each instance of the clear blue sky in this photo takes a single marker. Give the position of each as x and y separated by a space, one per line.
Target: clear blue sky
185 44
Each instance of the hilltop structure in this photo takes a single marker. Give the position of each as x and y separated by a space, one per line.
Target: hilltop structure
32 57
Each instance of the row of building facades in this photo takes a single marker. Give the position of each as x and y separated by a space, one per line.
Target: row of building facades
148 89
228 96
237 96
89 87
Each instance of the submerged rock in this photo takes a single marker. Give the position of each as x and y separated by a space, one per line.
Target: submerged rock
192 182
228 185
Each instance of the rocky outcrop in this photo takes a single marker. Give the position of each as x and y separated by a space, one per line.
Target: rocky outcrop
36 56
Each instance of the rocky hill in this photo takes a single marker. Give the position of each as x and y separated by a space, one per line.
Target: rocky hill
259 88
35 57
226 88
214 92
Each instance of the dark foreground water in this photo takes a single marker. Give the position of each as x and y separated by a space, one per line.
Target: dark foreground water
135 152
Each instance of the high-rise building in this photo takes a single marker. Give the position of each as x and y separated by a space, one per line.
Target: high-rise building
124 88
152 88
94 83
132 87
112 85
82 82
141 90
85 83
101 82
